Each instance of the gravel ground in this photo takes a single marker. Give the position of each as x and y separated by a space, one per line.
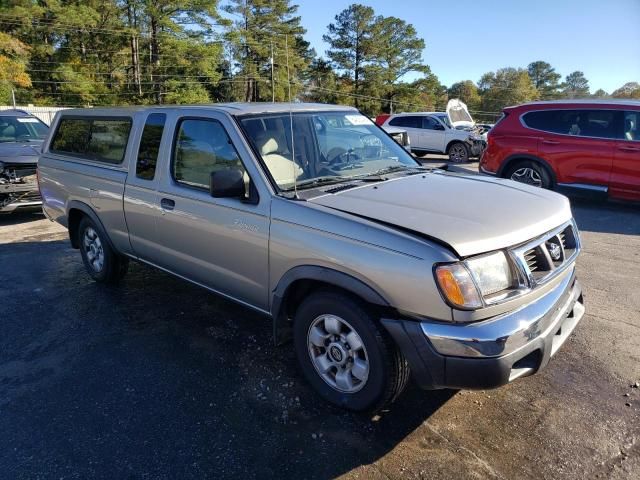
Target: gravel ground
158 378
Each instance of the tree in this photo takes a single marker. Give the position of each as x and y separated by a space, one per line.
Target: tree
575 85
351 43
396 52
322 82
545 79
467 91
504 87
600 93
95 51
264 24
628 90
13 58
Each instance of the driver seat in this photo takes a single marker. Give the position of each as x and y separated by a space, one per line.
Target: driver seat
283 170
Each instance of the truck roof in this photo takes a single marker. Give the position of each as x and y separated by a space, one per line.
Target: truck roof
237 108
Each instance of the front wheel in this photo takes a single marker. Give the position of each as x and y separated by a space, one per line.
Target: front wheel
531 173
458 152
345 354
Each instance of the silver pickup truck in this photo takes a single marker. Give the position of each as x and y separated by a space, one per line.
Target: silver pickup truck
376 267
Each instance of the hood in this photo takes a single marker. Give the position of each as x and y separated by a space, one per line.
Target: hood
20 152
470 213
458 114
390 129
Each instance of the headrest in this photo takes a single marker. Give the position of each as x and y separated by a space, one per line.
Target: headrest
269 146
9 131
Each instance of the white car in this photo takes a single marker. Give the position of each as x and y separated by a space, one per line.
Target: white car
452 132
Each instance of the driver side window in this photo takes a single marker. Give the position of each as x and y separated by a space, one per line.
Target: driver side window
430 123
202 146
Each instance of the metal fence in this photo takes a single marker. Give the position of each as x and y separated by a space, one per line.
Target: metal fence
45 114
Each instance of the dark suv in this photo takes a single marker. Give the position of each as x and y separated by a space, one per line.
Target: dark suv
21 136
574 145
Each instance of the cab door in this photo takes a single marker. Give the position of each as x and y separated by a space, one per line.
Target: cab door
141 189
625 174
433 134
221 243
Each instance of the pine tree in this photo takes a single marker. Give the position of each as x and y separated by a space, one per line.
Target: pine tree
545 79
267 31
351 43
575 85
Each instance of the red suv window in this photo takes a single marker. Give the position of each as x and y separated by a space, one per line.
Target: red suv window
584 123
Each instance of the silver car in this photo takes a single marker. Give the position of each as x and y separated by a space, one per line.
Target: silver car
21 136
377 268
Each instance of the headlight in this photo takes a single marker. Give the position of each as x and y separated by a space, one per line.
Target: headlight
465 284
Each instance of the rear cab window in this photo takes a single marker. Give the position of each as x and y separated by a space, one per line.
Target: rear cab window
150 146
100 139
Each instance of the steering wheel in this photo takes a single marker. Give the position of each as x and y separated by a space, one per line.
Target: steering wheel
371 142
339 156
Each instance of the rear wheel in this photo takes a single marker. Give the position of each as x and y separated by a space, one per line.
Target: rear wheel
530 173
458 152
345 354
100 260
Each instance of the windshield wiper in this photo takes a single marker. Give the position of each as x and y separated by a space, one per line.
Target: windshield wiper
313 182
378 174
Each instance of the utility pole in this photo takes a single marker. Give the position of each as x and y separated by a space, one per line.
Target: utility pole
13 97
273 91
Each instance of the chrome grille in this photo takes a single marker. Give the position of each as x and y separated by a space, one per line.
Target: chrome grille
531 257
541 259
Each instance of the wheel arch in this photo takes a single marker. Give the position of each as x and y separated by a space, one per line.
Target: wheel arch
456 140
523 157
299 281
76 210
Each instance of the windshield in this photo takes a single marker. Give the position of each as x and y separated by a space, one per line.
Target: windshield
21 129
327 147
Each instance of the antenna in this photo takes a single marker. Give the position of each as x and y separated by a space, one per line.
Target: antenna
293 147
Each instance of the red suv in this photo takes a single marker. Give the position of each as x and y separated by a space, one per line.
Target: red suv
578 145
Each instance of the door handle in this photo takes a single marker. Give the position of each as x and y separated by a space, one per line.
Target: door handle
167 204
551 142
629 149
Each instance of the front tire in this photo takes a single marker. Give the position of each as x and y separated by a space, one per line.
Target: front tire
530 173
458 152
345 354
102 263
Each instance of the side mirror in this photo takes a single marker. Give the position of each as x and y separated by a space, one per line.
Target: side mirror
438 127
227 183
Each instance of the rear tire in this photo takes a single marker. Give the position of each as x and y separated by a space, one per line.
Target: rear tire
102 263
530 173
345 354
458 152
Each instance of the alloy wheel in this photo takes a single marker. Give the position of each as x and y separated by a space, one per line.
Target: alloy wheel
93 248
338 353
527 175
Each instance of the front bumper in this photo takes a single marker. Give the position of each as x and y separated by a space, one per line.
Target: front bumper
477 147
14 196
493 352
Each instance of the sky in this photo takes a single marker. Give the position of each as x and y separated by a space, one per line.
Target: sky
465 38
